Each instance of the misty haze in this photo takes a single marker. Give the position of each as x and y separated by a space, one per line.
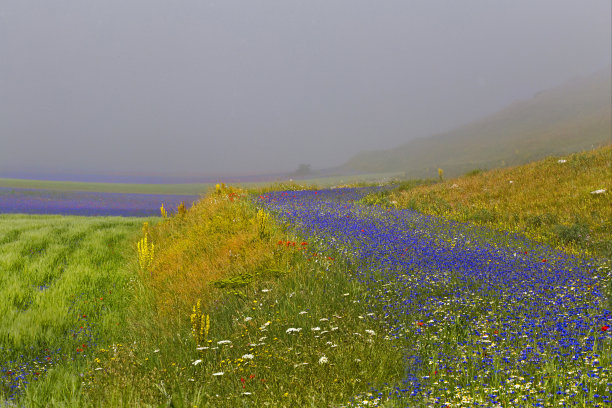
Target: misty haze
219 88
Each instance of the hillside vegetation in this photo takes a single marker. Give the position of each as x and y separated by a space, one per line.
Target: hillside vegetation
574 117
232 310
551 201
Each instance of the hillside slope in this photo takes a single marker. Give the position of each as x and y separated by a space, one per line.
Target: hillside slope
574 117
551 200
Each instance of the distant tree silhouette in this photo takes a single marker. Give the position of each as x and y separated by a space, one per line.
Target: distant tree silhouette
303 169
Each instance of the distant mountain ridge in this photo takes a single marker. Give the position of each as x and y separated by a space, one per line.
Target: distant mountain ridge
573 117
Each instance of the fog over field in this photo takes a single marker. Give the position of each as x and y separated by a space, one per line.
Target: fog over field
238 87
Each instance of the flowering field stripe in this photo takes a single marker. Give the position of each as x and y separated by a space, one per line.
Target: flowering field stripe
486 318
27 201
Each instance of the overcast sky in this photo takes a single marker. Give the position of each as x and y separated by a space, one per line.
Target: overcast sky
245 87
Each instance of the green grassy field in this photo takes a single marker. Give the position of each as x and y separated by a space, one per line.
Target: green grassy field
192 188
63 294
188 189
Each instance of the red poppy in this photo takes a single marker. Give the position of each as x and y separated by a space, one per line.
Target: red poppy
543 260
495 332
252 376
420 323
604 328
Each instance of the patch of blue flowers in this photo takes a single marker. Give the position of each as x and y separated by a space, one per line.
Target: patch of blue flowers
29 201
19 368
486 318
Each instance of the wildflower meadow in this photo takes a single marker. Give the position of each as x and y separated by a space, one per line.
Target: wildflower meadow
307 297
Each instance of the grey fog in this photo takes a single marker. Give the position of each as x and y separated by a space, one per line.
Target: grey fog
201 88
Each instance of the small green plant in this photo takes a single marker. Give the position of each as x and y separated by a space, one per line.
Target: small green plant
238 281
474 172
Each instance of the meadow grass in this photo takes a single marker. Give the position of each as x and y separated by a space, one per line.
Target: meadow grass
63 292
128 188
287 327
550 201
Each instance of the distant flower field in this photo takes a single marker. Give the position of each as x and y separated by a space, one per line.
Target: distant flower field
28 201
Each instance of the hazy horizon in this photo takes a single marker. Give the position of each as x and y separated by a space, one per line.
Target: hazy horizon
232 88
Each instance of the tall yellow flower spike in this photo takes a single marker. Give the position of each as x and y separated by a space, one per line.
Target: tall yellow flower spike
145 253
262 221
200 324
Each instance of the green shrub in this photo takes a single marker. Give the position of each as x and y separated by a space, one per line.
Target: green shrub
380 199
575 233
539 220
482 215
473 172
